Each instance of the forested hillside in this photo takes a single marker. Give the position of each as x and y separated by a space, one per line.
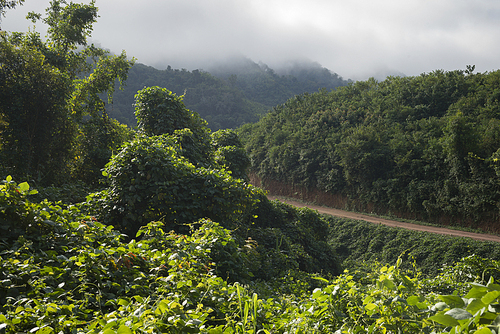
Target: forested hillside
271 87
222 105
228 95
425 146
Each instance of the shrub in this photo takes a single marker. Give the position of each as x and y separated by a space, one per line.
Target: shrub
149 180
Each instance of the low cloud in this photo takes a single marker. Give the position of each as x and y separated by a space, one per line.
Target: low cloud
354 38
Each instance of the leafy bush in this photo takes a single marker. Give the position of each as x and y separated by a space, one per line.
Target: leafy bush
149 180
159 111
16 212
78 275
229 153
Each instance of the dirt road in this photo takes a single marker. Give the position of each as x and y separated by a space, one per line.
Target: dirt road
393 223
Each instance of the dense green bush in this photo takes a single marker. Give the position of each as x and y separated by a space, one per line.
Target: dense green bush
78 275
98 139
229 153
159 111
149 180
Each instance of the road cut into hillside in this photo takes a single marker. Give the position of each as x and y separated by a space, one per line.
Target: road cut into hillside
392 223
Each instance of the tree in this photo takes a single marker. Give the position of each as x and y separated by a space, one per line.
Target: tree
36 132
8 4
48 87
229 153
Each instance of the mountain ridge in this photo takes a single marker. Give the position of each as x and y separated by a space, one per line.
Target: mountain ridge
228 94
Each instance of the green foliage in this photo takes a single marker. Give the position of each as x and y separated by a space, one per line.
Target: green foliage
49 89
421 146
15 211
289 240
77 274
67 272
356 242
230 153
160 111
36 133
149 180
99 138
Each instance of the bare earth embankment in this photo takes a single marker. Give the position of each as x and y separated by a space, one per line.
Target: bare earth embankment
393 223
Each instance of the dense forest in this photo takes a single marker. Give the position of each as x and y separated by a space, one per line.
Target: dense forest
422 147
227 95
104 229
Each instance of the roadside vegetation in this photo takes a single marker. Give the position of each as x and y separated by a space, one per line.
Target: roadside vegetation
424 147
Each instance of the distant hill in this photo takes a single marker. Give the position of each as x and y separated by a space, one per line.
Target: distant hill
229 94
271 87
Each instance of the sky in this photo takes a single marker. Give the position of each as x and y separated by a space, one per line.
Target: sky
356 39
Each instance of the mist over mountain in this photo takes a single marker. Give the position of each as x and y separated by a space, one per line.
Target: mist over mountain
227 93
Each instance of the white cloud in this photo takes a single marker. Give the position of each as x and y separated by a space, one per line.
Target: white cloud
354 38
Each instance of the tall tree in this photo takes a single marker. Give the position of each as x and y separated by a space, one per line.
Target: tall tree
48 87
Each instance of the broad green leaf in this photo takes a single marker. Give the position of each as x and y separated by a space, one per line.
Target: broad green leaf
452 300
490 297
441 306
123 302
8 178
45 330
370 306
459 314
422 305
139 299
444 319
475 305
23 187
477 292
124 330
413 300
389 284
483 330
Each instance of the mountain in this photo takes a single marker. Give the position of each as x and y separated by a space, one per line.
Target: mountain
228 94
271 87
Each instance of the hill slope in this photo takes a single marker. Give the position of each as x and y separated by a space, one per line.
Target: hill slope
230 94
422 147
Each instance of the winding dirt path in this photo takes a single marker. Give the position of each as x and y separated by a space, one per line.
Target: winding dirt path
392 223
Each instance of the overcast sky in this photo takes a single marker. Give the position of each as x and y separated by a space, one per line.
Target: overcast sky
354 38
